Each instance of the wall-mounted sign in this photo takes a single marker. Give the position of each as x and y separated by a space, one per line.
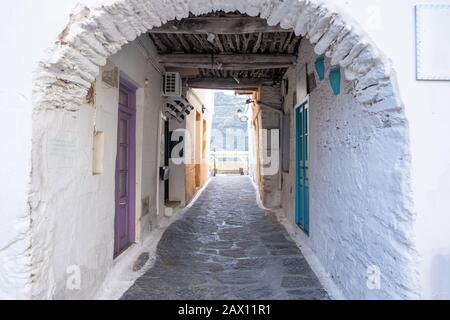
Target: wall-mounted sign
432 44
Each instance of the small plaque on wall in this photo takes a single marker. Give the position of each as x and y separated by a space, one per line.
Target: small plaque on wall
432 45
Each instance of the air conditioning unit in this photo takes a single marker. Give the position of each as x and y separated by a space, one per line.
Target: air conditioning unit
172 84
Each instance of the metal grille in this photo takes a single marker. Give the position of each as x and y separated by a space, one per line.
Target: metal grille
172 84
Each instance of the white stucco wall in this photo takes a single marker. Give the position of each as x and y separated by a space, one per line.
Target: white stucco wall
15 171
82 232
426 107
360 209
178 180
38 23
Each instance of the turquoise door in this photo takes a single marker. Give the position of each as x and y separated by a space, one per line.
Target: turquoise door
302 174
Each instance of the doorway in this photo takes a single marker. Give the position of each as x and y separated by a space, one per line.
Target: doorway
302 166
125 169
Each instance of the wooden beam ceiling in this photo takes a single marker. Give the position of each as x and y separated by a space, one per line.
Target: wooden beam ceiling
219 25
227 61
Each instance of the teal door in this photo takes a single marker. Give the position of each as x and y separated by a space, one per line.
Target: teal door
302 174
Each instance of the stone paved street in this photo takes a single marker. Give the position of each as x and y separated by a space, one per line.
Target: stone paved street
226 247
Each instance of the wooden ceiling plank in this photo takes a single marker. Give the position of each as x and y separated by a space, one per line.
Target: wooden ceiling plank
225 43
273 44
195 44
238 42
158 43
284 38
226 83
228 61
230 42
246 42
219 44
176 46
293 45
288 41
219 25
258 43
184 43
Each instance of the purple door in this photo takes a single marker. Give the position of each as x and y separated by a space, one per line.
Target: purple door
125 170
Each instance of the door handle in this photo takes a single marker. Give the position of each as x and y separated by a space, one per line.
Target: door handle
123 203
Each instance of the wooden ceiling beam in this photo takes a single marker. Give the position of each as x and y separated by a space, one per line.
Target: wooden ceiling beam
228 61
226 83
219 25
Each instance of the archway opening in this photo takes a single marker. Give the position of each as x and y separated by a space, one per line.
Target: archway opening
280 53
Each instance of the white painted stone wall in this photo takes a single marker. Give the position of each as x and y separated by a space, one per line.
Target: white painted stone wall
177 181
425 105
270 96
203 98
361 214
83 205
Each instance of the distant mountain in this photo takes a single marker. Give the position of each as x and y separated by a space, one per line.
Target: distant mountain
226 120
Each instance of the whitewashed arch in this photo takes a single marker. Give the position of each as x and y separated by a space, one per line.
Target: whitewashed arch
92 35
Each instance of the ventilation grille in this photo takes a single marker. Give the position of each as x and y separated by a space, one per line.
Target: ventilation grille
172 84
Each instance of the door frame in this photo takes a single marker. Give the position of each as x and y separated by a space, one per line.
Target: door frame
302 207
127 86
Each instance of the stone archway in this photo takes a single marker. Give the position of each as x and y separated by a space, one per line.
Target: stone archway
93 35
63 80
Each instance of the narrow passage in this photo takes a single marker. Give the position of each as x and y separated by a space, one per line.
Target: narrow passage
226 247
